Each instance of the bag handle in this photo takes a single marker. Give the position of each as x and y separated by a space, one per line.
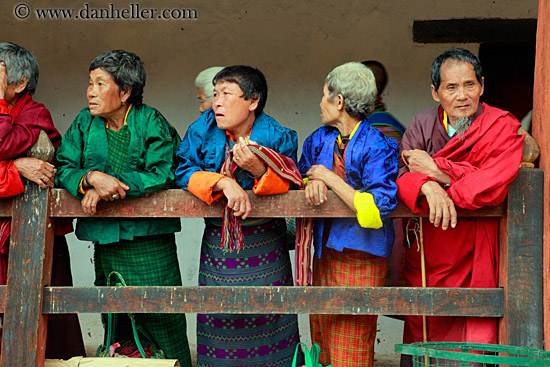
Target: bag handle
311 357
120 282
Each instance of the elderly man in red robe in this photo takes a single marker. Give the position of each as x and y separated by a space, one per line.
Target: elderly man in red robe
462 153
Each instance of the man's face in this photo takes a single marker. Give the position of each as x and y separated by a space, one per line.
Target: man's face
459 91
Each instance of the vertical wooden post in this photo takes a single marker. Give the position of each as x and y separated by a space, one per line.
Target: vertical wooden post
541 111
29 269
522 254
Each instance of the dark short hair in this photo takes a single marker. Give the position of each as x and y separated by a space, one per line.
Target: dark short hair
127 71
19 63
250 80
380 74
458 54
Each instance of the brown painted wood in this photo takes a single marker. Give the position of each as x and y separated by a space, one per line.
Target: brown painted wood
474 30
523 278
541 113
179 203
246 300
23 337
3 292
5 207
503 276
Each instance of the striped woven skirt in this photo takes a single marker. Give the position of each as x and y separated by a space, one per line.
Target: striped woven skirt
147 261
246 340
346 340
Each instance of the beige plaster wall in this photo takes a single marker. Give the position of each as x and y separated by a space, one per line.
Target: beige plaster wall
295 43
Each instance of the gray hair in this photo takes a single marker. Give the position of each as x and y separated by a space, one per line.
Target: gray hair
19 63
204 80
356 83
127 71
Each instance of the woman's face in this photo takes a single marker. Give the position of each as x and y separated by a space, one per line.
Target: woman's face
231 109
329 109
104 98
206 102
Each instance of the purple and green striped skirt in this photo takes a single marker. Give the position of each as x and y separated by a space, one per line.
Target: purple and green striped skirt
246 340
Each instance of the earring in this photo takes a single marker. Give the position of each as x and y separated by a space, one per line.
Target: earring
123 103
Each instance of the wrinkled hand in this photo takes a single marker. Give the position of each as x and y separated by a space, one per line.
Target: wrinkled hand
316 192
3 79
89 201
442 208
108 187
420 161
36 170
247 160
237 198
320 172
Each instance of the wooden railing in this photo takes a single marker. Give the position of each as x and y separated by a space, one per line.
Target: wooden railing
26 300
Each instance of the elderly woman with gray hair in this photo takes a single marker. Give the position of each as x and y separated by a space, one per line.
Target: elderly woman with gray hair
21 123
119 148
359 164
205 87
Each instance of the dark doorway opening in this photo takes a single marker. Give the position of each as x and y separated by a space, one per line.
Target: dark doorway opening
509 75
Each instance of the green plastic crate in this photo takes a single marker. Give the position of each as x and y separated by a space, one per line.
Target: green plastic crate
449 354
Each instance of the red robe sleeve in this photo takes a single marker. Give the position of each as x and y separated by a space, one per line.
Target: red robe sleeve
10 181
408 191
410 183
17 136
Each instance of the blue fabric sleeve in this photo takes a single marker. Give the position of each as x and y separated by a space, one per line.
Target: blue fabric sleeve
380 171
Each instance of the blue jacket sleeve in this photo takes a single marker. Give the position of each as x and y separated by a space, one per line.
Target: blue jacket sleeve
380 171
188 157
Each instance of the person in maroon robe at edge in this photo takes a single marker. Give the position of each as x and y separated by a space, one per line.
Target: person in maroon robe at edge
462 153
21 120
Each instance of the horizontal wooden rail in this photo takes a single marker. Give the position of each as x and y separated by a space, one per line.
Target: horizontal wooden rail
251 300
26 301
180 203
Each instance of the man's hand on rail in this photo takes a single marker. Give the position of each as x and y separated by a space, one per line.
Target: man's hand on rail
421 161
442 208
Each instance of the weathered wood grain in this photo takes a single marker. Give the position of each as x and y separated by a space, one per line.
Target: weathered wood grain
5 207
180 203
247 300
23 337
524 254
541 115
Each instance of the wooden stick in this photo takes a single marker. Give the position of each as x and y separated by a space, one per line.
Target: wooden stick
423 271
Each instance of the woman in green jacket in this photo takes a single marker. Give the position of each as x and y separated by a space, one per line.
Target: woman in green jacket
118 148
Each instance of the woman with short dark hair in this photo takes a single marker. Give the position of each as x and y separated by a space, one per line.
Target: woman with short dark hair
119 148
217 160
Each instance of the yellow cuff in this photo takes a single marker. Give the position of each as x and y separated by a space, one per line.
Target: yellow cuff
306 180
368 214
81 186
